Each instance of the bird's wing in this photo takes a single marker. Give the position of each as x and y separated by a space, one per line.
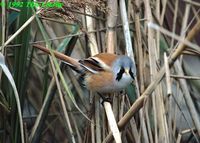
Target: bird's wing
106 58
91 65
99 62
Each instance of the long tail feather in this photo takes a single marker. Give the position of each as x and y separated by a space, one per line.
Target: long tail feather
73 63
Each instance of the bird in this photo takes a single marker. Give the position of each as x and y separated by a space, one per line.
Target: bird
107 73
101 73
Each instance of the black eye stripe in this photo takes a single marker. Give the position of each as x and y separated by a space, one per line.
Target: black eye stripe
122 70
120 73
131 74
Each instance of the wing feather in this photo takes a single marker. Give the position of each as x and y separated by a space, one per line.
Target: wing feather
99 62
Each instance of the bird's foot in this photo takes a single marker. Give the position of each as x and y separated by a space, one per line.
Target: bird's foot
105 99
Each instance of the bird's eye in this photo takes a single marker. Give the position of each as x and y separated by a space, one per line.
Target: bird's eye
120 73
131 74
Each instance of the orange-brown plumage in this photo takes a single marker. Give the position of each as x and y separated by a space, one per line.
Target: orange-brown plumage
108 56
97 83
103 72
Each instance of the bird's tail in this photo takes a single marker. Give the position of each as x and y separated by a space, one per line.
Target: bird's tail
73 63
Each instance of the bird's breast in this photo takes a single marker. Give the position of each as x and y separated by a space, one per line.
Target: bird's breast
105 82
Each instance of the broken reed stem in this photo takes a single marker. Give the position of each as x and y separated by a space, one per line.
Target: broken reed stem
184 132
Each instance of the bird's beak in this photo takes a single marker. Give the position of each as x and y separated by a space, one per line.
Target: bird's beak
126 71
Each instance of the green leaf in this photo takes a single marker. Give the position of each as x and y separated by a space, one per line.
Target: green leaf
11 80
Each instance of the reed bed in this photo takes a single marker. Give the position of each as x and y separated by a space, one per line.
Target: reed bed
41 99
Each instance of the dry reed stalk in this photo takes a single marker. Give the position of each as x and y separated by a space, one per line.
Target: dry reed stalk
158 105
146 110
185 77
182 133
78 88
66 116
111 48
135 15
20 29
164 5
92 130
93 48
134 126
139 45
107 105
52 34
185 20
139 102
174 21
189 102
43 110
97 119
158 11
169 93
168 82
112 123
111 24
126 30
3 20
90 26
